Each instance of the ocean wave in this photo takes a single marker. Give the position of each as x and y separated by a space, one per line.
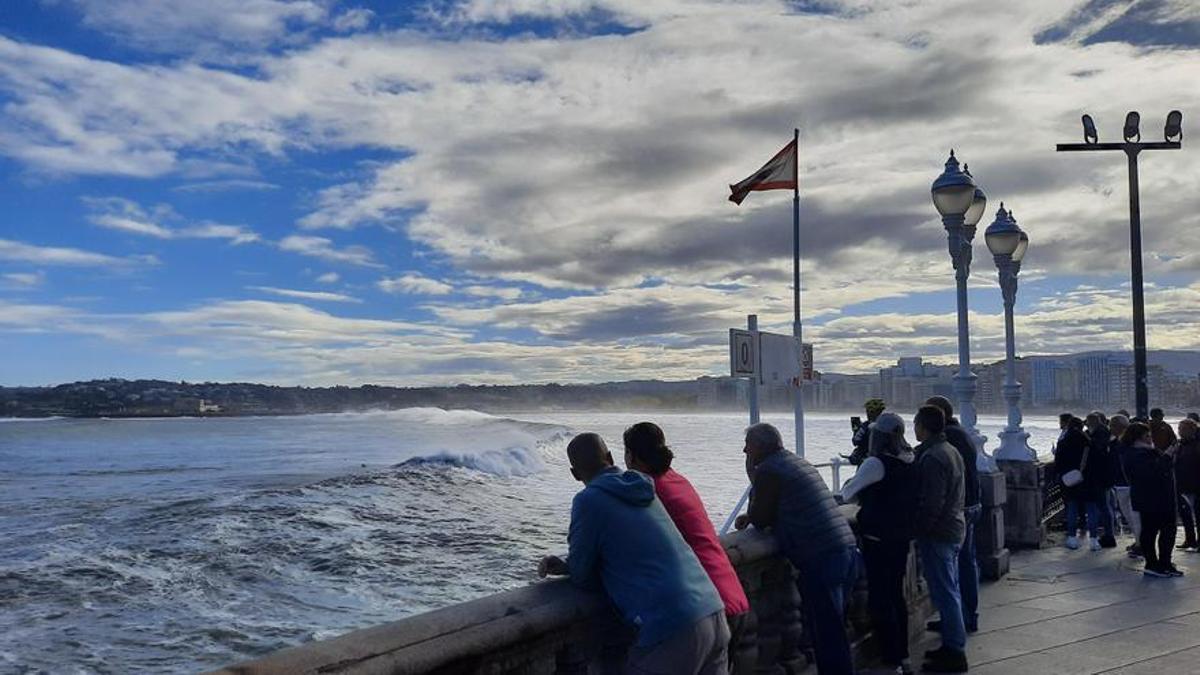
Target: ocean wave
53 418
514 461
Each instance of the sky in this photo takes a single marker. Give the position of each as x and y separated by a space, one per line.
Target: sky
506 191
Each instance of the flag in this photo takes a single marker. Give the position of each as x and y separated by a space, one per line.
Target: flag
777 174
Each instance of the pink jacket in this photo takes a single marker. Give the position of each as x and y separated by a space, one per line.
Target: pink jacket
685 508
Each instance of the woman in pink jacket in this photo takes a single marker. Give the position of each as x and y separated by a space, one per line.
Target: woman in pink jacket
646 451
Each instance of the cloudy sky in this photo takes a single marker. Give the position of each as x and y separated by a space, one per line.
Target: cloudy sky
442 191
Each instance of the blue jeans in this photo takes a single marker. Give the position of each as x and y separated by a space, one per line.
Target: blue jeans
968 571
1090 509
825 581
939 562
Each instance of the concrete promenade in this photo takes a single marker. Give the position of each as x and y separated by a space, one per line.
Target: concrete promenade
1066 612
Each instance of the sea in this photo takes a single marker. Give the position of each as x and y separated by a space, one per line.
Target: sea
185 544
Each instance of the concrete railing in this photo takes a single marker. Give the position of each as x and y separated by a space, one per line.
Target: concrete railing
552 627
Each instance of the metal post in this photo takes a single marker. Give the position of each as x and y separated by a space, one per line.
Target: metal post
798 403
752 326
1133 146
1139 306
1014 441
959 244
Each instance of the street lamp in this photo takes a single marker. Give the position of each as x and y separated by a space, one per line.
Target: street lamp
1008 244
961 203
1173 133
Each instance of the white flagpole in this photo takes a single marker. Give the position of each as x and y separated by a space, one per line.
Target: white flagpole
798 410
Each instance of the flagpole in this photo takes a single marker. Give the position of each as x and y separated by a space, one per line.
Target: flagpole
796 329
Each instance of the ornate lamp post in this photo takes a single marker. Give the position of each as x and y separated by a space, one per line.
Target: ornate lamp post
961 203
1008 244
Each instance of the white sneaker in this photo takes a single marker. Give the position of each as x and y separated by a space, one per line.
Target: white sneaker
1095 545
1072 543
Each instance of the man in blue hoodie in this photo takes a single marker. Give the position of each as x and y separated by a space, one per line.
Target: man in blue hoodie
622 541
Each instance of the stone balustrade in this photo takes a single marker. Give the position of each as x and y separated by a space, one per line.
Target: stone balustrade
552 627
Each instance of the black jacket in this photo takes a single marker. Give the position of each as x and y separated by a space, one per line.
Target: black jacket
1119 455
957 436
1068 456
888 507
1152 482
1099 473
790 497
940 492
1187 466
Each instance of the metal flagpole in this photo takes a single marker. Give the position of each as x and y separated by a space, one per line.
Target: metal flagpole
796 330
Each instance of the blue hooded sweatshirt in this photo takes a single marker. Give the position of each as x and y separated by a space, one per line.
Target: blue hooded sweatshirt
622 540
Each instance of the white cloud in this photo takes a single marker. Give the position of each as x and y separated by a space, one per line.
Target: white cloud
322 296
23 280
328 278
208 27
413 283
16 251
596 165
124 215
320 247
353 20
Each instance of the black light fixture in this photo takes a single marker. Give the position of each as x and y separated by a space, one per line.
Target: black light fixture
1132 133
1089 130
1174 128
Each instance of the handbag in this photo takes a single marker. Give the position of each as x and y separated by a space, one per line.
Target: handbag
1075 476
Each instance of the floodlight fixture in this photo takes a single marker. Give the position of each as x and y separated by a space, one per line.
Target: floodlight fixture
1132 121
1174 128
1089 130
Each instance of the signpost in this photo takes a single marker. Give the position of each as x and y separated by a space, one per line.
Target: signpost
766 359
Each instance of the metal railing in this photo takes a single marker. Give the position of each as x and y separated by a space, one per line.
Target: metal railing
835 469
1052 495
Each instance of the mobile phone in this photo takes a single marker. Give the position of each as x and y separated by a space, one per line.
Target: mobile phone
855 423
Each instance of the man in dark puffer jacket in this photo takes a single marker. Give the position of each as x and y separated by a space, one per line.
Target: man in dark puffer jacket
790 497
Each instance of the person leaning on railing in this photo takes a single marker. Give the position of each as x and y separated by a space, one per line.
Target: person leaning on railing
790 497
622 542
646 451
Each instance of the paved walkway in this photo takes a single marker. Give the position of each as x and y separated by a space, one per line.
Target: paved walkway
1067 612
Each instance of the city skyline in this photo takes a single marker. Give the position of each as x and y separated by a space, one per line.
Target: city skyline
328 192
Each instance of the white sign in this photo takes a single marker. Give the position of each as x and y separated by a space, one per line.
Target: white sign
743 353
779 359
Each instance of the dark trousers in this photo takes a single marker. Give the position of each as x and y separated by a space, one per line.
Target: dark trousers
825 581
968 571
1187 513
1158 539
1106 516
886 563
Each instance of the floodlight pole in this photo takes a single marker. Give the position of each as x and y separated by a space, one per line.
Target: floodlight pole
1132 149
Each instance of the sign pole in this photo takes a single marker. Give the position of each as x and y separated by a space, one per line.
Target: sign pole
798 405
752 326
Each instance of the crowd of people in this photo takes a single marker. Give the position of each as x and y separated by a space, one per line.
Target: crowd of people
1133 474
643 537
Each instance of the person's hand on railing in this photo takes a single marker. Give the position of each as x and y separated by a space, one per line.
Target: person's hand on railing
742 522
552 565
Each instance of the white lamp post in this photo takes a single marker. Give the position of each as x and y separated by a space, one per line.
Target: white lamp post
1008 244
961 203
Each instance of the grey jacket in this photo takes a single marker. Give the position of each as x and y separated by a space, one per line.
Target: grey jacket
940 491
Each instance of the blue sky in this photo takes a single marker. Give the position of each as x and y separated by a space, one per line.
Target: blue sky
318 192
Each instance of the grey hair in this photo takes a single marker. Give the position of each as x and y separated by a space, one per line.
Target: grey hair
764 435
